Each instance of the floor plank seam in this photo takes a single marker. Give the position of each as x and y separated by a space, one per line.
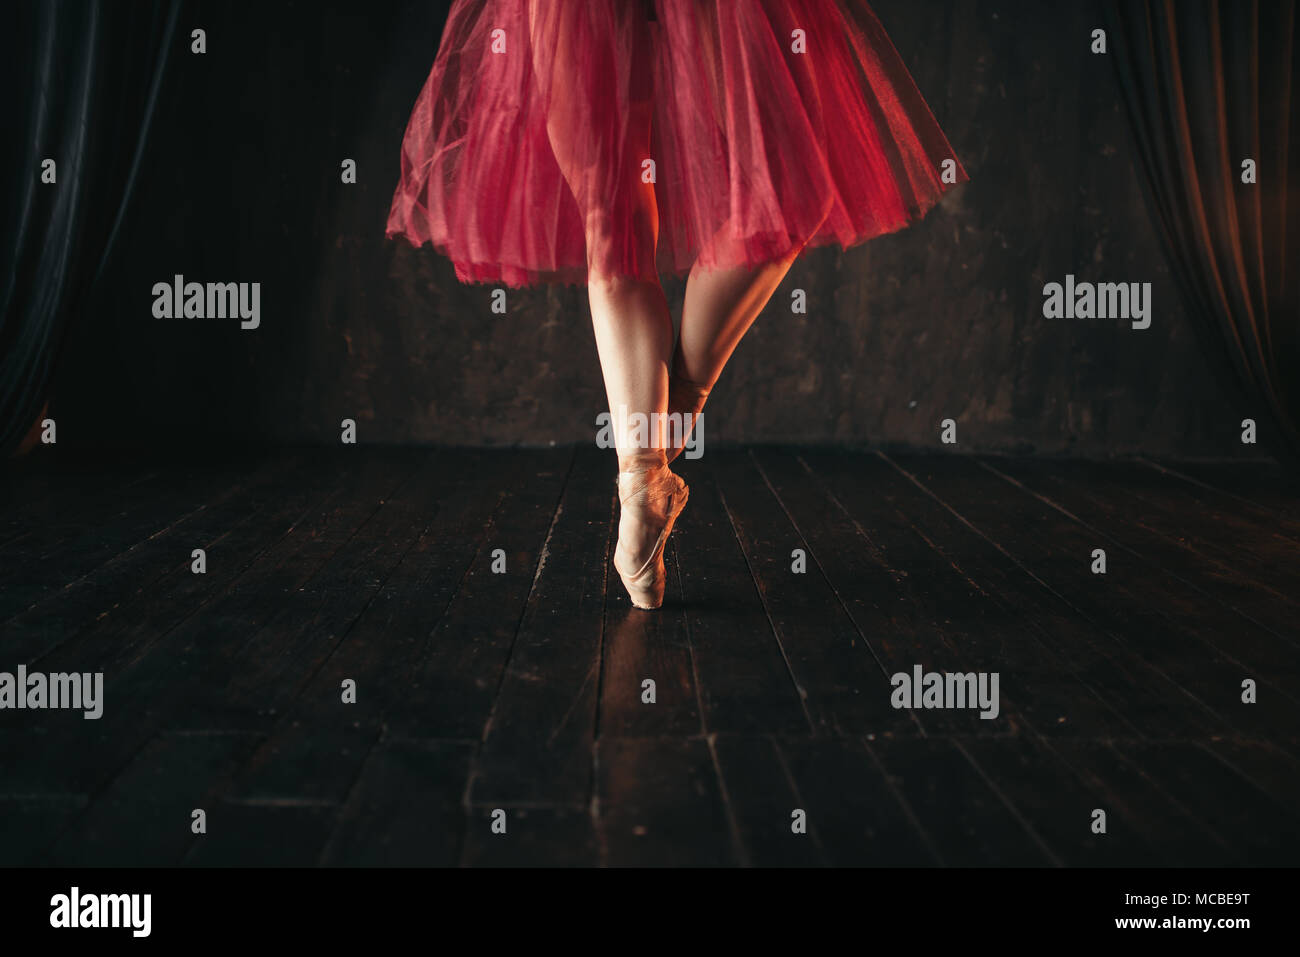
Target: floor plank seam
1144 559
767 613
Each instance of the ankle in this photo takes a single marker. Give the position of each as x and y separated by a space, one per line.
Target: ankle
685 395
642 460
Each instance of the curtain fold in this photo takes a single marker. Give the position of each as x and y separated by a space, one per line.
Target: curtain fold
1207 86
83 78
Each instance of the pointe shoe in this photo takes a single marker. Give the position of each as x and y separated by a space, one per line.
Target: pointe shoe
656 497
686 398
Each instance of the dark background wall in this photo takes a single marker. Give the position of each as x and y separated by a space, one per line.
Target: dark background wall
941 321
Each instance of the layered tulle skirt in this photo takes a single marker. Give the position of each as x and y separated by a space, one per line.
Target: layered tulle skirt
554 137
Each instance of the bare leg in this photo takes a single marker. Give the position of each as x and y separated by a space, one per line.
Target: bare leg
720 306
634 340
629 314
602 164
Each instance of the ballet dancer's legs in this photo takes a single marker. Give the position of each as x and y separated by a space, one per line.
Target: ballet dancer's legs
630 315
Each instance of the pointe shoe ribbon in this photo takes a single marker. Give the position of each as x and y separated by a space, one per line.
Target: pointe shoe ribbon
685 395
686 398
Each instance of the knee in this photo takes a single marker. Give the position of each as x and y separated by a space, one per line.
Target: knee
818 219
622 235
620 260
629 295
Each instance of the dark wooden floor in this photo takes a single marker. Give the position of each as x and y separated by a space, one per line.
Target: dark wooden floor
523 690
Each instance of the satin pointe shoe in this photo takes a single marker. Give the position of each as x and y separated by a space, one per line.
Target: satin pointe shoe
651 499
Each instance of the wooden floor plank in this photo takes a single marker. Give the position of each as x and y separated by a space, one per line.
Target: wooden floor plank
304 588
145 817
1270 770
216 507
873 589
1059 805
919 607
302 762
28 826
764 801
660 804
1266 490
844 689
102 616
1250 537
1117 682
1158 622
316 750
533 837
450 684
1246 569
53 555
744 682
643 647
384 647
1254 825
264 835
68 489
861 817
537 747
277 661
405 810
970 822
150 691
1136 804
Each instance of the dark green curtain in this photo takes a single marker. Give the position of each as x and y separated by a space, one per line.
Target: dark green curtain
82 80
1208 85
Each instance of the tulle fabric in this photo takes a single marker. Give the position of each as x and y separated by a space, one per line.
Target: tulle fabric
536 129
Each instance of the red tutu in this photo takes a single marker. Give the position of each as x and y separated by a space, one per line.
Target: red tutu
748 128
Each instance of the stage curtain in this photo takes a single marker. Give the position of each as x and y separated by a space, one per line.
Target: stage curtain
1208 86
82 83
